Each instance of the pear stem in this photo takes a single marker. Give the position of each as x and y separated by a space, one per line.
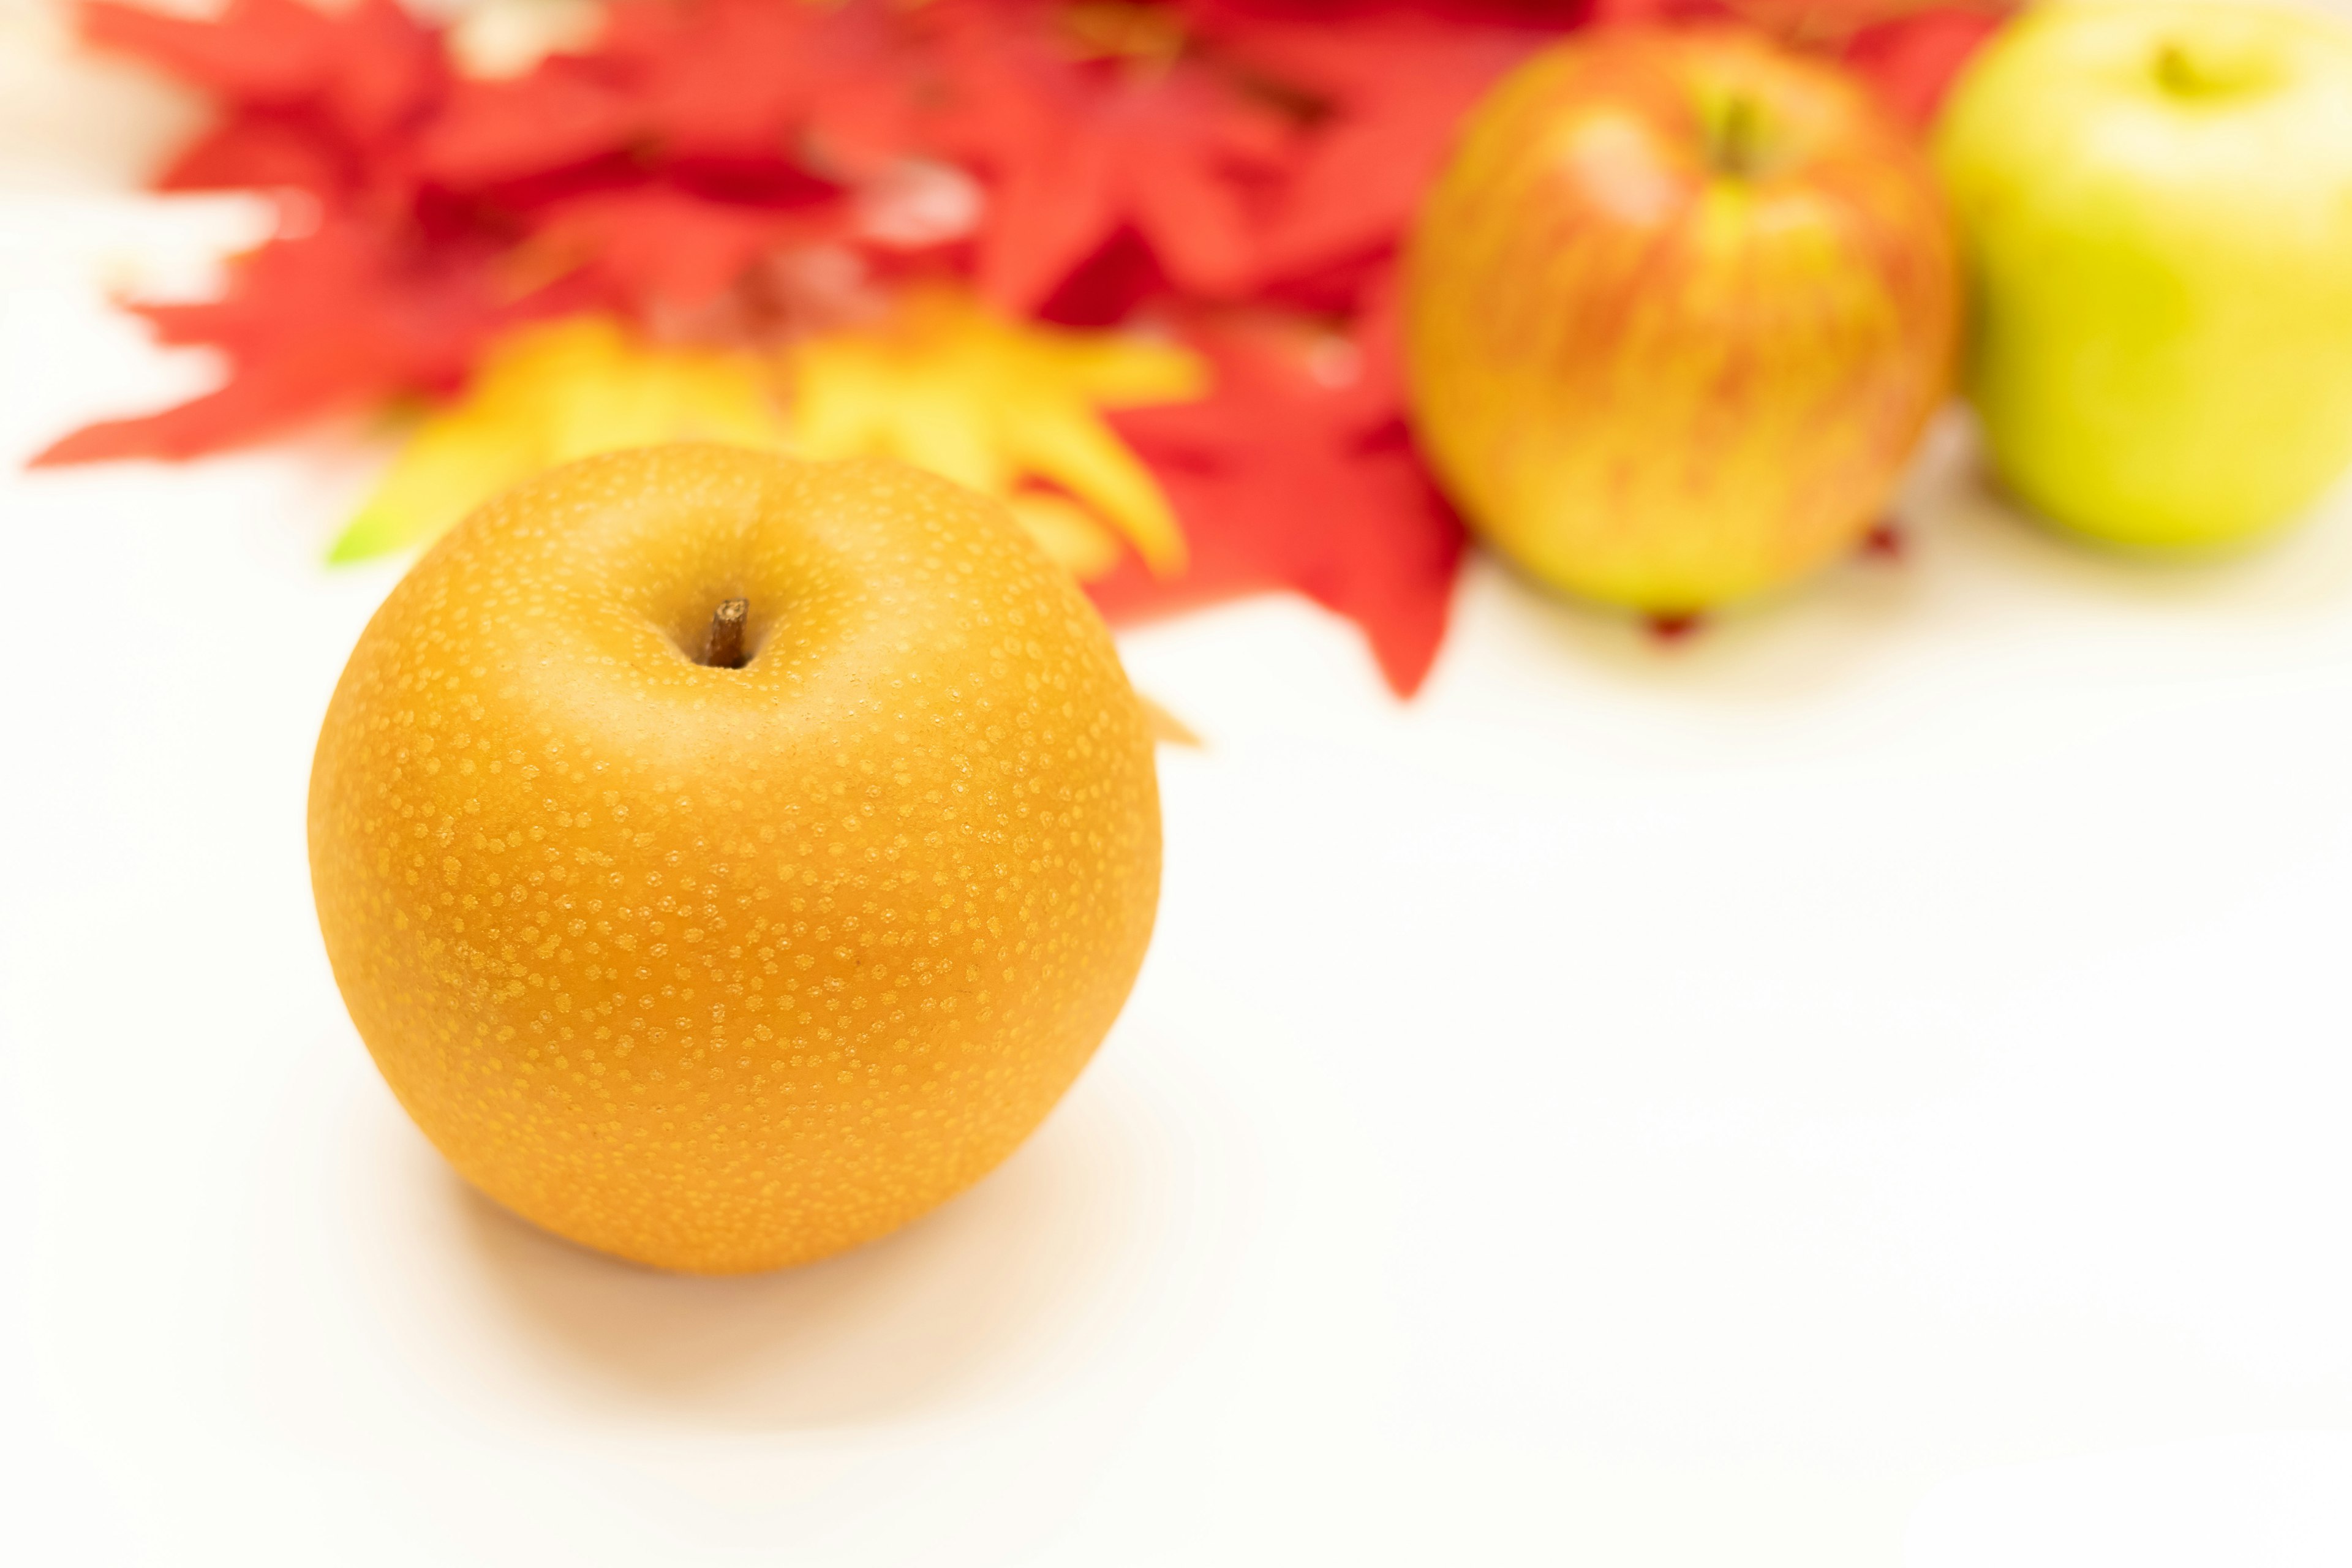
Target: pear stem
724 648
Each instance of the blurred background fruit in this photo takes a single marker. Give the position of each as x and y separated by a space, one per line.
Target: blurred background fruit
1676 313
2155 199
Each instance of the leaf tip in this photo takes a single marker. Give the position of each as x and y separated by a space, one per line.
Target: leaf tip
367 536
1166 728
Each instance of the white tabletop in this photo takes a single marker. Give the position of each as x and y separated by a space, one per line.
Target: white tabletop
1868 1087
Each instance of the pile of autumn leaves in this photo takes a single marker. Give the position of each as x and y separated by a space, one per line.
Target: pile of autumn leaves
1129 265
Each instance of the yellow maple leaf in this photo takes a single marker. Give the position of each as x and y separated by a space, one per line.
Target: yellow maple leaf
1007 407
546 394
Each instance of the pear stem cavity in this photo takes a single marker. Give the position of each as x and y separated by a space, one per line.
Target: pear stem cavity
724 650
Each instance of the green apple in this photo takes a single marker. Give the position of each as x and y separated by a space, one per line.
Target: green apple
2155 204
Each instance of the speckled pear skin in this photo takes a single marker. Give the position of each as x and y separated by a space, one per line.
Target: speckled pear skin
723 969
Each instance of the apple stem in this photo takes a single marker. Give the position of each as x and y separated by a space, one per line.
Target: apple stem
2186 72
1736 149
724 650
2178 74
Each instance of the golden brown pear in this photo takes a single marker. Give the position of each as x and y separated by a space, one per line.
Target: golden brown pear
723 968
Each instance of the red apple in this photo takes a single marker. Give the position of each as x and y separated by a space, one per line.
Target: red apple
1676 313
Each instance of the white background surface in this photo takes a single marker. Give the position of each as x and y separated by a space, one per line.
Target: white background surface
1869 1088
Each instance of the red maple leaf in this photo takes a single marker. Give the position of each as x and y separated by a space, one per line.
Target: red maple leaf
338 319
1298 473
262 148
732 82
1079 146
367 70
1391 88
449 209
1913 60
1909 50
563 114
656 245
748 81
317 100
